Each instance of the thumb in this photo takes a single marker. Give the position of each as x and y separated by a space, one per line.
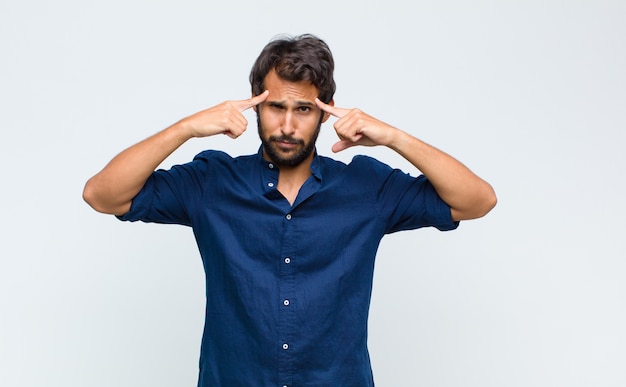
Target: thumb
341 145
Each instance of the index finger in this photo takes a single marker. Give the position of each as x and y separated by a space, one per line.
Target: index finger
337 112
250 102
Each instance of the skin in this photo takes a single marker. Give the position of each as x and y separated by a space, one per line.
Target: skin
289 118
111 190
468 195
289 123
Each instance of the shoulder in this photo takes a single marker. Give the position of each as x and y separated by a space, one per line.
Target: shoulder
210 163
363 161
358 161
362 171
220 157
369 166
330 163
211 154
374 172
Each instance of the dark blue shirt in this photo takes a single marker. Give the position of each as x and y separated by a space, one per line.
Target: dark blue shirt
287 286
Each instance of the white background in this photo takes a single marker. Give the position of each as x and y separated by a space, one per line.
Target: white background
531 95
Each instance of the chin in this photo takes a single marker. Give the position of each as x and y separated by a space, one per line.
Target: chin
289 159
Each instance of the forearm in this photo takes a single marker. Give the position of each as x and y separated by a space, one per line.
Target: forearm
468 195
111 190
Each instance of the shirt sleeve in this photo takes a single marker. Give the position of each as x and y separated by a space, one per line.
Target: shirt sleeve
406 202
167 195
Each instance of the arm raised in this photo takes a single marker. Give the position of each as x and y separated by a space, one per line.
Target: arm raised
468 195
112 189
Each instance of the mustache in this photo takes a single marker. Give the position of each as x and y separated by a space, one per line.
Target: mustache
287 139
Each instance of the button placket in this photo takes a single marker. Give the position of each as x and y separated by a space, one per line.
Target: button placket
287 296
270 177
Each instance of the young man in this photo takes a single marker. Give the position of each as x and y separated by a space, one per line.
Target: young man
288 238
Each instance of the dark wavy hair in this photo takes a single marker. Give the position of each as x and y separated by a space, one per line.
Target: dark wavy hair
296 58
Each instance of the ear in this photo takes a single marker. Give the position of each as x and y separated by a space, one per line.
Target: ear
326 114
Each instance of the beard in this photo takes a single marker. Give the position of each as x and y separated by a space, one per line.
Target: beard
295 156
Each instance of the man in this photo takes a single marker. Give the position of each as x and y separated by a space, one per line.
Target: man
288 237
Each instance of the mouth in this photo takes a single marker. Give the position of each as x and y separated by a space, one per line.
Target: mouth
288 145
287 142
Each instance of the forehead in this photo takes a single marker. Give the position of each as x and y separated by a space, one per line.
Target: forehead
282 90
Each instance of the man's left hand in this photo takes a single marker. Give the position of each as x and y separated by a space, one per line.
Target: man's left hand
354 127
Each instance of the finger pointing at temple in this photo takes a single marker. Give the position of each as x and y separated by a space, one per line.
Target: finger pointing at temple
334 111
246 104
355 127
225 118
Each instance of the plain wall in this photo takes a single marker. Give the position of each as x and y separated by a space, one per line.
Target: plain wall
530 95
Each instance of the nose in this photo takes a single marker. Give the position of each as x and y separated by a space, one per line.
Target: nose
289 124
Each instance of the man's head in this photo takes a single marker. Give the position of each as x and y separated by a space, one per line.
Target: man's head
300 58
295 71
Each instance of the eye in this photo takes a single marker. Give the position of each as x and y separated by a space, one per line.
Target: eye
276 106
304 109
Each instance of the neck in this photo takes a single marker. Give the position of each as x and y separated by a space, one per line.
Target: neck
291 179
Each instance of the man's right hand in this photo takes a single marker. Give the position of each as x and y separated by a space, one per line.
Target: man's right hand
224 118
112 189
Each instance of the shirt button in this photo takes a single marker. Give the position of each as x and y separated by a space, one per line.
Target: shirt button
270 184
285 346
288 216
287 260
286 302
270 165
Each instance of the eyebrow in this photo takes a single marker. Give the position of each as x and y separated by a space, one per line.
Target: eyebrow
297 103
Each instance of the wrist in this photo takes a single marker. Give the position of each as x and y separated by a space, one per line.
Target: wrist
183 130
398 139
